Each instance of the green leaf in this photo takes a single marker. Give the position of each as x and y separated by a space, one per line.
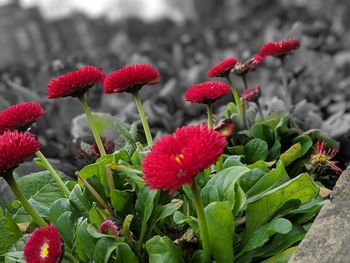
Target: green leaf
66 226
58 208
269 180
262 234
180 218
163 250
255 150
209 194
282 257
125 254
111 250
144 206
226 183
247 181
281 242
169 209
263 131
78 200
305 142
261 210
84 242
95 217
232 160
275 151
120 199
9 231
41 190
220 224
293 153
123 131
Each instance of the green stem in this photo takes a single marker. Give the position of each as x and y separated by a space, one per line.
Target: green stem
143 117
245 82
203 229
219 163
53 173
210 115
260 110
27 206
92 124
70 257
235 95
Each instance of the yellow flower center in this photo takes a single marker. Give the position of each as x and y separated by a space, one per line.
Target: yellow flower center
179 158
320 158
44 250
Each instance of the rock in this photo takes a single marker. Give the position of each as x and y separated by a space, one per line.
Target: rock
328 238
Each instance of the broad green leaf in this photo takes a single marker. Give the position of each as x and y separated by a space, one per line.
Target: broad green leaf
255 150
145 202
79 201
180 218
275 151
248 180
260 211
269 180
263 131
58 208
209 194
84 242
15 252
169 209
41 190
66 226
282 257
95 217
125 254
104 249
226 183
163 250
9 231
305 142
121 199
281 242
232 160
123 131
221 229
293 153
262 234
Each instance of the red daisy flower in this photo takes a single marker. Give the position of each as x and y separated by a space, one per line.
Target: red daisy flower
207 92
175 159
74 83
20 116
109 228
321 158
251 94
279 49
130 78
15 147
223 68
242 68
44 246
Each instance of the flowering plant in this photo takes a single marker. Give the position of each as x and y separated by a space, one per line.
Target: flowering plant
236 189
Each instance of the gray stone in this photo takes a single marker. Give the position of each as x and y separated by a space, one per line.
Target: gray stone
328 239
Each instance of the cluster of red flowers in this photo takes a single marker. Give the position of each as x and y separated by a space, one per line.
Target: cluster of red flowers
279 49
175 159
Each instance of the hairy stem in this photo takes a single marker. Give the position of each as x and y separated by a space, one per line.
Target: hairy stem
210 115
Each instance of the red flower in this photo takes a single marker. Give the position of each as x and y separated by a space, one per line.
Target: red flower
321 158
175 159
15 147
223 68
130 78
251 94
74 83
207 92
44 246
20 116
109 228
242 68
279 49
